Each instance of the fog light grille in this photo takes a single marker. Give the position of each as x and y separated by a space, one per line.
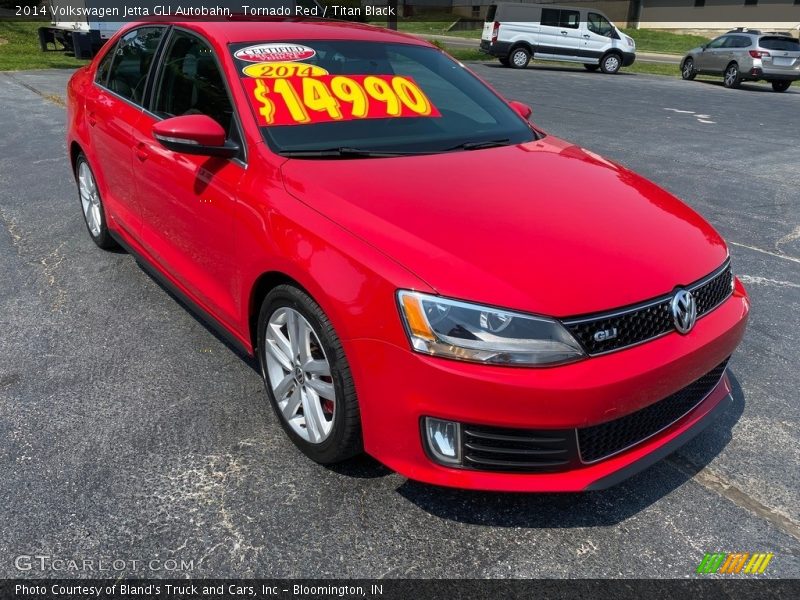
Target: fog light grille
500 449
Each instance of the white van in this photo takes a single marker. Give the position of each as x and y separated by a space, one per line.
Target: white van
515 33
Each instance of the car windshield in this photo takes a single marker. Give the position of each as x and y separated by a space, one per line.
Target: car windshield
326 96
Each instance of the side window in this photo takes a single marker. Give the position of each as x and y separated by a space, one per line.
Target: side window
570 18
718 43
550 17
104 67
743 41
598 24
132 58
190 83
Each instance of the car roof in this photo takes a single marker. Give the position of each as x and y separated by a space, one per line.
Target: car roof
238 30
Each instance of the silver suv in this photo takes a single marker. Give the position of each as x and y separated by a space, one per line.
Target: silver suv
747 55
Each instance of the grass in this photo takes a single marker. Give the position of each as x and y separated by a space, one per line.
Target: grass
653 40
647 40
19 49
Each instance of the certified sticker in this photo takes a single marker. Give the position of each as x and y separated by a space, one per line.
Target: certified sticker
275 53
273 70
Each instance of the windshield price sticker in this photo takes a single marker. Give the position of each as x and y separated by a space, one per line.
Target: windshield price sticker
298 100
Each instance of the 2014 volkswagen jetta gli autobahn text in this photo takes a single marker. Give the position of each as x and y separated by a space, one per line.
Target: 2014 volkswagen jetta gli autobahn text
422 274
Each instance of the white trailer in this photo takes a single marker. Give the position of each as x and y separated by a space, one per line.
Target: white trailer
84 37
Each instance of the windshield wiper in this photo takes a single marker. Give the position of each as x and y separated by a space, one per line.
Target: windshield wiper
480 145
344 152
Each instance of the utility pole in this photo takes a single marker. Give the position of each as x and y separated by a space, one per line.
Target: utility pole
392 18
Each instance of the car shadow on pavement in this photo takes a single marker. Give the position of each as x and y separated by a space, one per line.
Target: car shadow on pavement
191 310
587 509
557 68
750 87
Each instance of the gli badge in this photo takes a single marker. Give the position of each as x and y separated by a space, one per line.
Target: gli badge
275 53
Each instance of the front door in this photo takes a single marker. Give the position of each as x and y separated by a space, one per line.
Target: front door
596 37
188 201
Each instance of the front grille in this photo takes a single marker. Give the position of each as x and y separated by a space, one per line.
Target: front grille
602 441
648 320
528 450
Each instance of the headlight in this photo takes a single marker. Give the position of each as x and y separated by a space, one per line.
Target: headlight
630 41
484 334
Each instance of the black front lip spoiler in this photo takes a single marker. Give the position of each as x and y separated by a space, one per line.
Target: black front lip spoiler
662 452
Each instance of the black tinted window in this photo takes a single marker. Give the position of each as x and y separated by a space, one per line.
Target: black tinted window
570 18
550 17
553 17
191 83
104 67
780 43
132 58
491 12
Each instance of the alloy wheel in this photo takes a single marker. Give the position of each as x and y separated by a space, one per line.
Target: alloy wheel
688 69
299 375
520 58
731 76
90 199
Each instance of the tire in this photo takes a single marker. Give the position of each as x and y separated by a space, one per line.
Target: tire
590 67
519 58
687 70
611 63
94 214
333 434
732 78
780 86
504 62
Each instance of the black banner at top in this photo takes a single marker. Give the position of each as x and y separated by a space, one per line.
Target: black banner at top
668 14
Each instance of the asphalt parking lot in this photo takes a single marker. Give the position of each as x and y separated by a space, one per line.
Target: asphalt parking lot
129 431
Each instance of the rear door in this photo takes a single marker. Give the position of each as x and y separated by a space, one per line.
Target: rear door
559 34
188 201
113 106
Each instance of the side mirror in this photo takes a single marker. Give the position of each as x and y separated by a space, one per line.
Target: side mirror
523 110
194 134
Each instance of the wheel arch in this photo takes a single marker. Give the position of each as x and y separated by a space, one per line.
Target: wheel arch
74 150
262 286
521 44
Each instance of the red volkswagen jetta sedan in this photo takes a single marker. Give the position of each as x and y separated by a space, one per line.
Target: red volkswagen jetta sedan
422 274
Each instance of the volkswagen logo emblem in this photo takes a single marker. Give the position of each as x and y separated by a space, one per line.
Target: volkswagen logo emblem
684 311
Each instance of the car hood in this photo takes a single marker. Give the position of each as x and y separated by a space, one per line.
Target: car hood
545 227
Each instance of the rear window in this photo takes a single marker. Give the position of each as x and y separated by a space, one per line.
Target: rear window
491 12
780 43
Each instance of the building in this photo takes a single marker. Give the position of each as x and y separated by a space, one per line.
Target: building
783 15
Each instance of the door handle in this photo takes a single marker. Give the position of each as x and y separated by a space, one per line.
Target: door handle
141 152
563 33
586 35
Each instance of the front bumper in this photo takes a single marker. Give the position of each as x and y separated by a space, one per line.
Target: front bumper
398 387
628 58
